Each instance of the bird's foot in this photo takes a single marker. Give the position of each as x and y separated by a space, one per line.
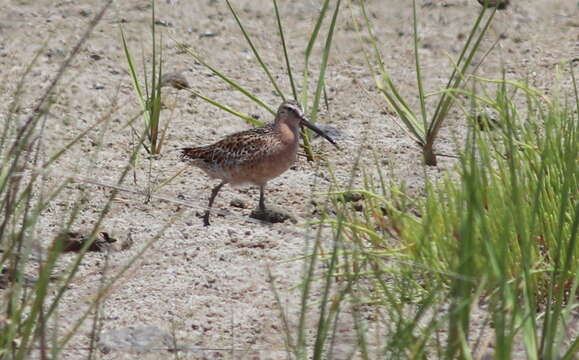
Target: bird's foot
271 215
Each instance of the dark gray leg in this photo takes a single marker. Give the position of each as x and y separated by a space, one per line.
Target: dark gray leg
211 199
262 198
268 215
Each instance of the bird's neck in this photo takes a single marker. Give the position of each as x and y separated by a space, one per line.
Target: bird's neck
288 134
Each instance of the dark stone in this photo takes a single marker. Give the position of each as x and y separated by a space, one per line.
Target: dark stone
271 215
73 241
238 203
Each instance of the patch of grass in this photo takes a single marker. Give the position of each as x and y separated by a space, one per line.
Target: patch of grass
34 280
26 308
418 124
150 98
497 245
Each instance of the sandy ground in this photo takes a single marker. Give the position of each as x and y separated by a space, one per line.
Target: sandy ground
208 286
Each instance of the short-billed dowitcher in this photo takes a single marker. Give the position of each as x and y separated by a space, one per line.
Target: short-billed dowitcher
253 156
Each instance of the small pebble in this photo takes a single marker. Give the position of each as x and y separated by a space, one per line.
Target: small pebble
163 23
238 203
207 34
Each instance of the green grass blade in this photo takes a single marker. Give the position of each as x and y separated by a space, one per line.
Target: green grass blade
229 81
309 47
254 50
301 348
417 64
573 351
457 76
393 98
132 70
285 54
325 56
17 94
221 106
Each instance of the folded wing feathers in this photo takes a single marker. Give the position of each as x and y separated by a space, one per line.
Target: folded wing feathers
232 150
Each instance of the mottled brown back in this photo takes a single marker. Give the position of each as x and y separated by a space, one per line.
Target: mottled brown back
234 150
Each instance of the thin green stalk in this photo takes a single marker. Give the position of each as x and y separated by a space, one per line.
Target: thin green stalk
285 54
417 65
229 81
322 73
301 348
323 319
323 66
254 50
456 77
221 106
309 47
389 90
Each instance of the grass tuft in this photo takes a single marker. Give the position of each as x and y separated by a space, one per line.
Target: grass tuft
150 98
498 242
418 124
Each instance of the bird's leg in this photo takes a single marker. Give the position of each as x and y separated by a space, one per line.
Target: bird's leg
262 198
211 199
268 215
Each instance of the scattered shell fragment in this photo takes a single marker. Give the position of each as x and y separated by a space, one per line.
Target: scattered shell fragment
163 23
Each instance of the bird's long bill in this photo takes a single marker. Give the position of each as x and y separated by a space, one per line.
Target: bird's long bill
318 131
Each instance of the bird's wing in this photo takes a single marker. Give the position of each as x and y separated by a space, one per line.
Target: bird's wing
236 149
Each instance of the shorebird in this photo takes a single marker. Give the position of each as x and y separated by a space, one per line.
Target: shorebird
253 156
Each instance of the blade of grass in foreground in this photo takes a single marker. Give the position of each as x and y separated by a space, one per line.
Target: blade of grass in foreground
26 321
301 345
503 231
562 274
